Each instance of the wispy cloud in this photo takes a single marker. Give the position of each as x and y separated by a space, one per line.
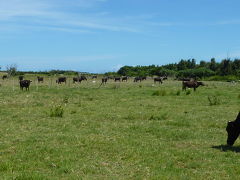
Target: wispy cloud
57 15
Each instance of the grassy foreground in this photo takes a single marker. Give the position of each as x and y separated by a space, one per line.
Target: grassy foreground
119 131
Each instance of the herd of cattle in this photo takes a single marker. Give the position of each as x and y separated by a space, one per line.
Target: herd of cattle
186 82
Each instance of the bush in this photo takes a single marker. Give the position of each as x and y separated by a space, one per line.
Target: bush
56 111
213 100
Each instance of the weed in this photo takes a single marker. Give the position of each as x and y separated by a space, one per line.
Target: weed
159 93
213 100
178 93
163 116
188 92
56 111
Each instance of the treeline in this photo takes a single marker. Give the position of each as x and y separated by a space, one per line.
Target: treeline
226 69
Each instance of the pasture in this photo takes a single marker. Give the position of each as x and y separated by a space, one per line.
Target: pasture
122 130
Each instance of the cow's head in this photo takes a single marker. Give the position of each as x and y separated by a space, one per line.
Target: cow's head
233 130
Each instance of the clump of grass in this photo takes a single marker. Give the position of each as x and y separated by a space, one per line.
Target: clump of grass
73 112
115 86
56 111
188 92
140 86
65 100
213 100
159 93
239 96
163 116
178 93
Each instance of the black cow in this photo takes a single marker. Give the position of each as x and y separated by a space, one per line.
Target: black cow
144 78
136 79
79 79
40 79
94 77
75 79
233 130
83 78
158 79
25 84
4 77
104 80
191 84
20 78
60 80
124 78
117 79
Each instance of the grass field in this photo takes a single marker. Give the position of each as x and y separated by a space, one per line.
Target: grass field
118 131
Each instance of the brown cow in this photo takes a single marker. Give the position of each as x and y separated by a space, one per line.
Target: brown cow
40 79
191 84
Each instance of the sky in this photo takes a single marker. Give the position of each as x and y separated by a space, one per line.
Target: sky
98 36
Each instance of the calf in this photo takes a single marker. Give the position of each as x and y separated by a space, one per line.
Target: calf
117 79
124 78
104 80
158 79
136 79
25 84
191 84
60 80
4 77
233 130
40 79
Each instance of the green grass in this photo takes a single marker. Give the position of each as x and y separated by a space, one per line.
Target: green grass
117 131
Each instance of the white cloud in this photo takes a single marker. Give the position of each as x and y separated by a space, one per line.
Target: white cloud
56 14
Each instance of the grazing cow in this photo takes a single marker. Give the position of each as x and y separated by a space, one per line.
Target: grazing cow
124 78
75 79
94 77
25 84
233 130
158 79
117 79
60 80
144 78
79 79
40 79
83 78
4 77
191 84
104 80
136 79
20 78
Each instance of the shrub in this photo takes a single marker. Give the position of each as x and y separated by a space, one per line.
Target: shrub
213 100
56 111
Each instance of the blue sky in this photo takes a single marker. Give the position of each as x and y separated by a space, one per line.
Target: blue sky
103 35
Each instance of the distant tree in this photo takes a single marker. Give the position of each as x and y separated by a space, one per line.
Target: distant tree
213 65
226 67
12 69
